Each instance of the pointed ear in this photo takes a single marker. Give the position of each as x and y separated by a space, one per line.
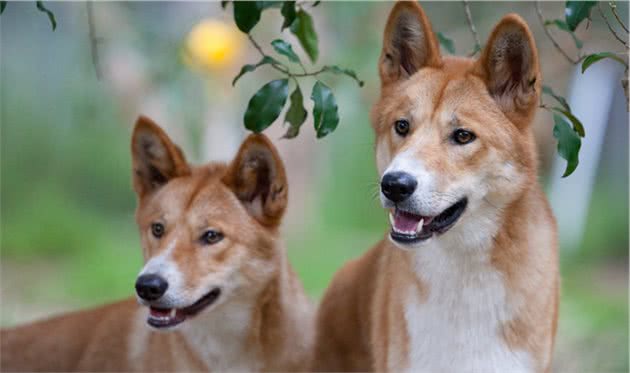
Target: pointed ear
408 43
155 158
257 177
509 67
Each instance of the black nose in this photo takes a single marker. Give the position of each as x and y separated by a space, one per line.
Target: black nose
398 186
151 287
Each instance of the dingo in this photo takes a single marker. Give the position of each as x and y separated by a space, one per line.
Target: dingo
216 275
467 278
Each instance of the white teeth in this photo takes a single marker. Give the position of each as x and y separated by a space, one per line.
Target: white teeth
173 311
391 219
419 227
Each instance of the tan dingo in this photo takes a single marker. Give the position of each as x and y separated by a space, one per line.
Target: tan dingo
467 278
215 275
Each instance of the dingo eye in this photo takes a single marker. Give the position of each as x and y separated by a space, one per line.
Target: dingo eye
157 229
402 127
462 137
211 237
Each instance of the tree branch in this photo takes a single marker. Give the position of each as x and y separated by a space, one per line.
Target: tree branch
94 40
473 30
281 67
553 41
613 8
601 12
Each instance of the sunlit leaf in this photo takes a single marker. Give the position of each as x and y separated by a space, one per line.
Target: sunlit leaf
246 15
296 115
325 110
338 70
569 143
446 43
285 49
249 68
591 59
51 15
266 104
303 29
577 11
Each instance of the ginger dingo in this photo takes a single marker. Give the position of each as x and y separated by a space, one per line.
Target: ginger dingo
467 278
216 275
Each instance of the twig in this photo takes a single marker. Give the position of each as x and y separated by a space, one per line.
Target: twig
471 25
553 41
94 40
601 12
281 67
613 8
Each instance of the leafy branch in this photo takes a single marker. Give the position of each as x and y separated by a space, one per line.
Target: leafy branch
267 103
568 129
561 25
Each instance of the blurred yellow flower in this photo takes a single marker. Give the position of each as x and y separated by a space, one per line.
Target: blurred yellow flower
213 44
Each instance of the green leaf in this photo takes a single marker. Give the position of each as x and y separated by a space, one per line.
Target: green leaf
303 29
446 43
569 143
296 115
338 70
51 15
3 4
249 68
577 11
547 90
316 3
564 27
591 59
265 105
246 15
577 125
288 12
325 110
285 49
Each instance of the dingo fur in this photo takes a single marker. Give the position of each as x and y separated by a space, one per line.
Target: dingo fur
467 278
216 275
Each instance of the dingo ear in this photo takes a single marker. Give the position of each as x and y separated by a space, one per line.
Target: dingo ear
509 67
257 177
156 159
408 43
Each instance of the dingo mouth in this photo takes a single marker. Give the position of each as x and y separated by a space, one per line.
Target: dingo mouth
169 317
409 228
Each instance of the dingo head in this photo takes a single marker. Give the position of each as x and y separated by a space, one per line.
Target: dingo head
453 138
208 233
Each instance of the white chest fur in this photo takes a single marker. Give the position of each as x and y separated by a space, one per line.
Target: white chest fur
220 338
457 326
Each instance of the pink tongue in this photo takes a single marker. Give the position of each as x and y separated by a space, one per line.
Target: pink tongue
406 222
